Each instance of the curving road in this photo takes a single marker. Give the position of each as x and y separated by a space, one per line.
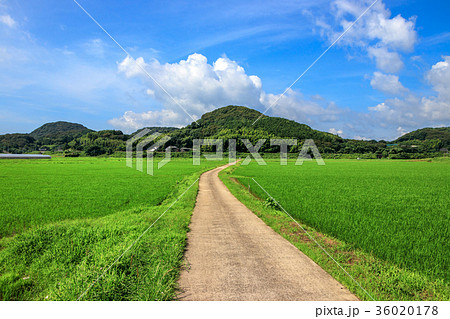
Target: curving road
233 255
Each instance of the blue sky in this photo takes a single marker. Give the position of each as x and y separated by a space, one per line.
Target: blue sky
389 74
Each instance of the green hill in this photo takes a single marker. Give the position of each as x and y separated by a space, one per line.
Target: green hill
60 130
230 122
428 133
236 122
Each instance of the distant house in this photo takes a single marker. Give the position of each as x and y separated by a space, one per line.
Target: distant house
443 150
43 149
185 149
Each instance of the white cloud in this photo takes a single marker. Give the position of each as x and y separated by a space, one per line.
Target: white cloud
387 61
397 33
376 32
439 77
196 85
414 111
132 121
201 87
294 105
376 25
7 20
387 83
335 131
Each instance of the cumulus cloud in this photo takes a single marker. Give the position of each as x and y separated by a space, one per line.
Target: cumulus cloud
194 83
376 25
294 105
200 87
132 121
386 61
7 20
413 111
439 77
387 83
377 32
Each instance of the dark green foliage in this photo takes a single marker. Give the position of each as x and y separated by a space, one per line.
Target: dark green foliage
99 143
50 136
154 129
236 122
230 122
17 143
440 133
59 130
271 203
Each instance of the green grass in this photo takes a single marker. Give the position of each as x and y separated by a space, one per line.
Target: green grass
387 221
36 192
76 216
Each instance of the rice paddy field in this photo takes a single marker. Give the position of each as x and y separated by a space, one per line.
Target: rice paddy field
63 221
396 211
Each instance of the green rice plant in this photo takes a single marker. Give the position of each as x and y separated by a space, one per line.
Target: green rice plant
397 210
36 192
61 250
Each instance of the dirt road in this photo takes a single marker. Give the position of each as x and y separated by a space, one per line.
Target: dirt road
233 255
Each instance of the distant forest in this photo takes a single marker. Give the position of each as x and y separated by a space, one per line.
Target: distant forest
231 122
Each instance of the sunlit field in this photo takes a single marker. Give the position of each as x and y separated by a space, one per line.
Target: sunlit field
399 211
63 221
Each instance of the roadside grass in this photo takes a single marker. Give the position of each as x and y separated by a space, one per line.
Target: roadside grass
383 278
59 260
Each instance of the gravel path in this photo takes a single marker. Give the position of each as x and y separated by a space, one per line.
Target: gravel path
233 255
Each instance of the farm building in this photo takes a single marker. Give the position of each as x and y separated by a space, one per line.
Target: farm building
24 156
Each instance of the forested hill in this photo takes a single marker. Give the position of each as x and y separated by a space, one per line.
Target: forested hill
428 133
238 122
230 122
57 129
